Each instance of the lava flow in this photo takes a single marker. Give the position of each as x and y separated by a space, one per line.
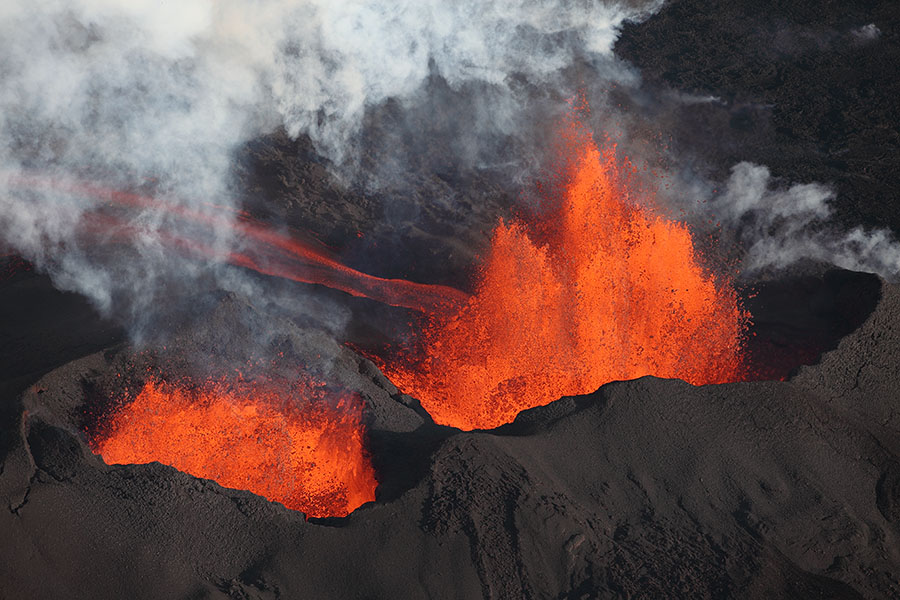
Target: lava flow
255 245
309 456
599 289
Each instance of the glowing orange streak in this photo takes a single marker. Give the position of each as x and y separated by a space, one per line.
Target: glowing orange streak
266 250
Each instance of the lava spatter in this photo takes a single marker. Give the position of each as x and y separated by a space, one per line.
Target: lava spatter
598 289
306 452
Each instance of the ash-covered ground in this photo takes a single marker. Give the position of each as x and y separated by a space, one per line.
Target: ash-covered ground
647 488
650 488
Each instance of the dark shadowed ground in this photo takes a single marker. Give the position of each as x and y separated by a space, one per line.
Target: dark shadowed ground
807 88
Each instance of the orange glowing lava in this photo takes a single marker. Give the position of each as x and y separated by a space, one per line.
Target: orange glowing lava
310 457
601 289
257 246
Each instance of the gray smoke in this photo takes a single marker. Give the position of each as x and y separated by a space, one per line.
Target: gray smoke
123 95
866 33
155 98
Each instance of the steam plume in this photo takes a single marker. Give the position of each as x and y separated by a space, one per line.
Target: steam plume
775 226
156 97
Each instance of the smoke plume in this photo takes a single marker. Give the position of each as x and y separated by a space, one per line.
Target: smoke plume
782 226
155 98
104 98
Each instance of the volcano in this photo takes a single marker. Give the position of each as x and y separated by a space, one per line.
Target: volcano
765 497
544 325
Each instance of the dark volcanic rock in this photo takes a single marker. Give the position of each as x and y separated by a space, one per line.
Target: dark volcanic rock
649 488
226 341
427 227
797 318
806 87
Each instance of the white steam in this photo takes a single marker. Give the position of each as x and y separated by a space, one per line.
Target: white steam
866 33
120 95
155 97
339 57
778 227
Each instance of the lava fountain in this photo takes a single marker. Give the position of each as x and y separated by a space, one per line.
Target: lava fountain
598 289
307 453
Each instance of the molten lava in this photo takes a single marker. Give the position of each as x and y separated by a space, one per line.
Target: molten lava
256 246
308 456
599 289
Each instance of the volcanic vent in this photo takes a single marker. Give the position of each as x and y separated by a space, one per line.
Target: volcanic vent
338 343
595 289
293 444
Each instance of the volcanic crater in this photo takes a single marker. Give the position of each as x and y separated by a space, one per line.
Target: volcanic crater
470 401
502 512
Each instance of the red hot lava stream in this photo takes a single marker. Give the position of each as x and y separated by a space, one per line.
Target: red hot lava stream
310 456
259 247
600 289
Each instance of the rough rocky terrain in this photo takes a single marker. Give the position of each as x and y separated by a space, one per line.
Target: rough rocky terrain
806 88
649 488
